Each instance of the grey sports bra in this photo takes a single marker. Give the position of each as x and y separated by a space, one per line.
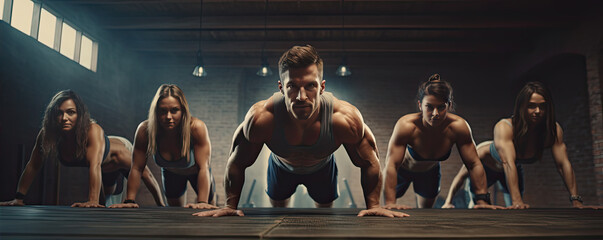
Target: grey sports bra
180 163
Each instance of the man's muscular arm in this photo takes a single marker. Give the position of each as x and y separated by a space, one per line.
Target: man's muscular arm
247 142
361 146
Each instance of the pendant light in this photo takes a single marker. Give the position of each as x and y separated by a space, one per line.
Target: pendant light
200 68
265 67
343 70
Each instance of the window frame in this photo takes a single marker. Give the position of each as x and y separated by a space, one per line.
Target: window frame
7 7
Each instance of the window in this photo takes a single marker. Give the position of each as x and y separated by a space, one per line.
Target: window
68 41
33 18
1 9
48 25
22 15
86 52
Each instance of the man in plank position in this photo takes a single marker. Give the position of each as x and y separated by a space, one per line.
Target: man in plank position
303 126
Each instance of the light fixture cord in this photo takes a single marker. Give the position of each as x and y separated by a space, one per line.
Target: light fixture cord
200 23
342 29
265 27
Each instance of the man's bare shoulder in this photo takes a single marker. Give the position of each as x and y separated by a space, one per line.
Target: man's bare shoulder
342 108
348 123
259 121
261 111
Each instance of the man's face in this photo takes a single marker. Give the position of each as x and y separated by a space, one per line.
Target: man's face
302 89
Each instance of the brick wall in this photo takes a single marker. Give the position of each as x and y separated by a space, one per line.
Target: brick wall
223 98
595 82
383 94
583 122
571 106
485 86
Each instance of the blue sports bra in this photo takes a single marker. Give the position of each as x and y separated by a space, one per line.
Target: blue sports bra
82 162
495 155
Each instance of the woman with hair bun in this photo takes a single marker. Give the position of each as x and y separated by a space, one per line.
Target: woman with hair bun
420 141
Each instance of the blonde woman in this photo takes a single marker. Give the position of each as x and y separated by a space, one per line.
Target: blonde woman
179 144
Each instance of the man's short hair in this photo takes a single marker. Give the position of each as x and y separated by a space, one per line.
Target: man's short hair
299 57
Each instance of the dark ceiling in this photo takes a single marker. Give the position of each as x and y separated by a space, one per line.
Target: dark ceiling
233 31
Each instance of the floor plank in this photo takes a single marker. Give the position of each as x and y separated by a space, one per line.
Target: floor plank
61 222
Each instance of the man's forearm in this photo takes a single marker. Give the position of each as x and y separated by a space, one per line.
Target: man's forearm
233 183
371 185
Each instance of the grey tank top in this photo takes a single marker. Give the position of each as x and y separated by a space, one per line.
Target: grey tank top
322 149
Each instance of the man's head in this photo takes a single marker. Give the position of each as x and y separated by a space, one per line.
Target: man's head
300 70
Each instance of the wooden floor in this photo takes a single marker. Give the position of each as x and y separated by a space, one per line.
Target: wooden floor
54 222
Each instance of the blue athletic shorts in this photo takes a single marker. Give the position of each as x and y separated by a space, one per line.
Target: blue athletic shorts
426 184
174 185
495 176
115 178
321 185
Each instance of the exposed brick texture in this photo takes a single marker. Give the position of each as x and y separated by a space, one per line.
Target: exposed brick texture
594 81
119 94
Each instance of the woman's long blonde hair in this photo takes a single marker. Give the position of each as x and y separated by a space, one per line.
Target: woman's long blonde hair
164 91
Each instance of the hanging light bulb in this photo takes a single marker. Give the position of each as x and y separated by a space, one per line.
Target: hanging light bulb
343 70
264 69
199 69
